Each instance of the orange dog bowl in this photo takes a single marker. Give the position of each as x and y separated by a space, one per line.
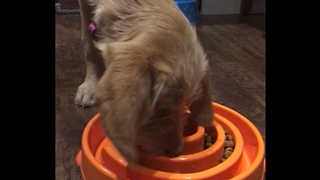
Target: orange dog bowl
99 160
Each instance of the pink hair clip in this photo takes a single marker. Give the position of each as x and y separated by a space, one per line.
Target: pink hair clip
91 27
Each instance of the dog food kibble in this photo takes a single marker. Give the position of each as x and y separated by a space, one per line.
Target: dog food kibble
207 138
208 145
227 154
207 141
229 137
228 145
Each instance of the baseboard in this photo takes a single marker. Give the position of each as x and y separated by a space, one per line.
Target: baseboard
65 11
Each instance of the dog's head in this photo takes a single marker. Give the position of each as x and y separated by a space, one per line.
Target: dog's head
152 74
143 103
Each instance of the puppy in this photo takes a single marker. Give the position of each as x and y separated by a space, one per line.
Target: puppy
144 65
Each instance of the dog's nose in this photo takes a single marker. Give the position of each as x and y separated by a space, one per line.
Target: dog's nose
174 152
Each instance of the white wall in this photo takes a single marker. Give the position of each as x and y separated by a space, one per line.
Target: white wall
229 6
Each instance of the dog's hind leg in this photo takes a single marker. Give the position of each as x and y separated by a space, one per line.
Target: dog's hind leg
93 60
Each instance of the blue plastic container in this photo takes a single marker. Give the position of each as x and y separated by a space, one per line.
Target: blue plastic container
189 9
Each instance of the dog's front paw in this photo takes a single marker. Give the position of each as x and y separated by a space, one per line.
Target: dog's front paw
85 94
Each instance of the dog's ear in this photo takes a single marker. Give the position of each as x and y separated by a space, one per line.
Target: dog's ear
201 109
125 95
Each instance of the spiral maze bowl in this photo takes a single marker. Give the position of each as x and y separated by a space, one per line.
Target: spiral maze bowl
99 160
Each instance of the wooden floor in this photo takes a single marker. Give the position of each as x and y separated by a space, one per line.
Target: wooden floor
235 47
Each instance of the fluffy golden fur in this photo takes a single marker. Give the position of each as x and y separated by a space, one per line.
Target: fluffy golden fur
153 67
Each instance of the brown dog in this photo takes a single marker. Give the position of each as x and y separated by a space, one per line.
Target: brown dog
152 67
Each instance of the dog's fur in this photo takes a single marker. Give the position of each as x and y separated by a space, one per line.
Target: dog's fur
153 67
